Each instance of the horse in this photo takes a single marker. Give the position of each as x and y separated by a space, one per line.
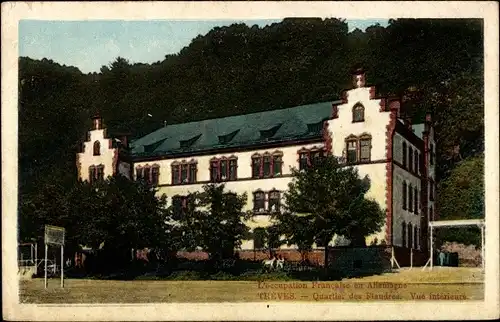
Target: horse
280 263
269 263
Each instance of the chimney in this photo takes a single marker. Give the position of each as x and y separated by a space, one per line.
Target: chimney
359 78
96 122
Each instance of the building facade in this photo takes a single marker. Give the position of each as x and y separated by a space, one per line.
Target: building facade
254 154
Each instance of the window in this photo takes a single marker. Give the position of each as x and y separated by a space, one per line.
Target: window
147 174
176 178
96 173
365 144
179 204
214 170
404 195
100 173
259 238
358 113
410 159
416 162
233 167
274 201
352 151
155 175
410 199
358 148
303 160
415 238
97 148
431 190
432 154
410 236
415 197
91 174
256 166
403 234
259 200
184 173
267 165
404 154
139 174
277 165
316 156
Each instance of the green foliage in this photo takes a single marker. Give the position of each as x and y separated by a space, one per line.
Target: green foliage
214 221
244 69
117 214
461 196
324 200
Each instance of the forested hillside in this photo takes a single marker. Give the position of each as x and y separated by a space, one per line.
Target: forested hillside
436 65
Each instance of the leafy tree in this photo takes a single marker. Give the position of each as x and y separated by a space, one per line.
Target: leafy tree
328 199
116 215
461 196
214 221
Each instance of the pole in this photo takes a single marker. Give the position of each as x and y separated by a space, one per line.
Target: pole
36 258
46 251
62 266
411 258
31 251
482 246
432 251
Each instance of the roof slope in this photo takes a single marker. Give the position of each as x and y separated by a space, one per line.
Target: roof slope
300 122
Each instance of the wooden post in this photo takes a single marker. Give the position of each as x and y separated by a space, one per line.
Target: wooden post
482 246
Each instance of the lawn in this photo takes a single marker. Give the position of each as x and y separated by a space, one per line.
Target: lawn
447 282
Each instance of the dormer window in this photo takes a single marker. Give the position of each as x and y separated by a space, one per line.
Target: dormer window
97 148
184 144
269 133
225 139
358 113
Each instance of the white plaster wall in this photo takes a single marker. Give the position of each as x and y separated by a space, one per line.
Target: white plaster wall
87 157
375 123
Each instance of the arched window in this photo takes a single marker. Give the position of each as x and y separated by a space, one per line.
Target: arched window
403 234
358 113
405 190
352 149
259 201
97 148
404 154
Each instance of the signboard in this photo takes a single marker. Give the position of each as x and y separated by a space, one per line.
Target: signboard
54 235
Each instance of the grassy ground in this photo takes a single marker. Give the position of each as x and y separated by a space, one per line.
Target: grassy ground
456 283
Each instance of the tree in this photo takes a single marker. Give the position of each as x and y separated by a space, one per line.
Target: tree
214 221
324 200
461 196
116 215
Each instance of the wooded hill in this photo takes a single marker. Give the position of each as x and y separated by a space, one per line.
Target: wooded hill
435 65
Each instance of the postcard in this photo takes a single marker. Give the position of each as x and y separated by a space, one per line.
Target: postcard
250 161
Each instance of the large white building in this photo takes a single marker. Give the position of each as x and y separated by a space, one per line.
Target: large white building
254 153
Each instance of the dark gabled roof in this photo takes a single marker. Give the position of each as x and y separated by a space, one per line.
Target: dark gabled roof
296 123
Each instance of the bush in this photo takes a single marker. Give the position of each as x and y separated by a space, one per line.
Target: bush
222 276
187 276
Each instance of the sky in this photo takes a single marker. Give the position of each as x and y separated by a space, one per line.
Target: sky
88 45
